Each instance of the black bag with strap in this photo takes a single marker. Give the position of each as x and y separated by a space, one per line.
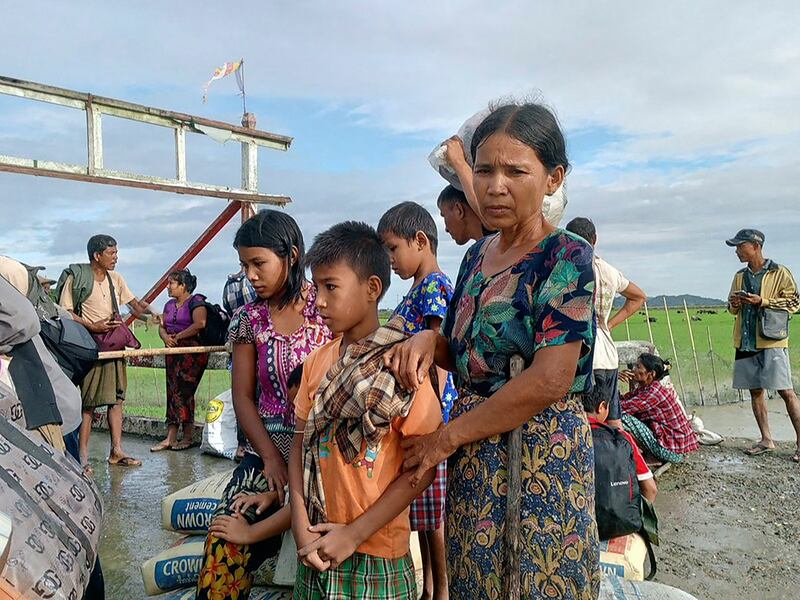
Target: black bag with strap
71 344
215 333
620 508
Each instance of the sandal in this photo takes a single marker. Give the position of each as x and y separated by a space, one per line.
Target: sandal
758 450
126 461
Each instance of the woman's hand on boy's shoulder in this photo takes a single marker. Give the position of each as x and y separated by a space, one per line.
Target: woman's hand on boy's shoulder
337 543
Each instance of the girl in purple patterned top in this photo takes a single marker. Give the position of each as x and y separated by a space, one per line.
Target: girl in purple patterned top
270 337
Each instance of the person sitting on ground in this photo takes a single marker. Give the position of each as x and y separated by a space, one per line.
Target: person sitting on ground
409 234
596 407
608 282
460 220
184 319
235 528
348 493
653 414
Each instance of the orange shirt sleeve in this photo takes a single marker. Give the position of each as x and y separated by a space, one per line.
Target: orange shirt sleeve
305 393
425 415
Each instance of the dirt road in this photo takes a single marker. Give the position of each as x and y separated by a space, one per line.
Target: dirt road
730 524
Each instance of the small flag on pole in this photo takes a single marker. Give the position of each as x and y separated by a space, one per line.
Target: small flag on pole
224 71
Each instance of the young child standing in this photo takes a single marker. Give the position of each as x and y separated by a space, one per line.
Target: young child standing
409 233
349 496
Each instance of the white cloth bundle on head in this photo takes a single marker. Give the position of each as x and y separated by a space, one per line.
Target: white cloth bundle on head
553 207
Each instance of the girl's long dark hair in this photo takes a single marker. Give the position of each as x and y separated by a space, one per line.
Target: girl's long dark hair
277 231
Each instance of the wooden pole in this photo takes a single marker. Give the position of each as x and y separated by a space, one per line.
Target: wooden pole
513 499
694 353
649 327
713 367
674 352
160 352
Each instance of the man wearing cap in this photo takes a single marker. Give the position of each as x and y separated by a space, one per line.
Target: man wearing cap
762 349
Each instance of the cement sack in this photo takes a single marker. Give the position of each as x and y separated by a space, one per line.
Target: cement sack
624 557
219 432
616 588
553 207
56 514
257 593
179 567
189 510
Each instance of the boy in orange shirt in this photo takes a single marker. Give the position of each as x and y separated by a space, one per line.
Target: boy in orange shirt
348 494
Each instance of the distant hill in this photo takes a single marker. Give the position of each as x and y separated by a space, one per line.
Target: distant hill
676 301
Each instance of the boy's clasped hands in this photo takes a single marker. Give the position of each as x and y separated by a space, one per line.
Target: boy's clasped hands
322 546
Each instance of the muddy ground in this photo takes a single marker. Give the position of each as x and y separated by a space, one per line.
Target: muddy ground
730 524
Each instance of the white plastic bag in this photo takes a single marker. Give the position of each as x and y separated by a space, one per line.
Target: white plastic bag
219 432
553 207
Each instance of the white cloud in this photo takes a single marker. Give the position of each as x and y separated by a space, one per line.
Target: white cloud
710 90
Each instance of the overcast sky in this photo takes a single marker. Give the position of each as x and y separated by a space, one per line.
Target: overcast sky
681 118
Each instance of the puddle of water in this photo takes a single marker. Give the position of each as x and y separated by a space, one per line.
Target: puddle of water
132 496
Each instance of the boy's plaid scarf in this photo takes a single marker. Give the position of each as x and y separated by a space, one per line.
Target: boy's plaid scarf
357 400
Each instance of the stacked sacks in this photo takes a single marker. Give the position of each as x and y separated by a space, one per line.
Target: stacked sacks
624 556
189 510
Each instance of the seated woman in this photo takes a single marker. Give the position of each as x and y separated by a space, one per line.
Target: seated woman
652 413
184 319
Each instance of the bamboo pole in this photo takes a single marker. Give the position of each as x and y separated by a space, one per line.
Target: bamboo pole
694 353
513 499
160 352
649 326
713 366
674 352
628 329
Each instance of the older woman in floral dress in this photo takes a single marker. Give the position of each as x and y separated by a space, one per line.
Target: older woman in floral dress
526 291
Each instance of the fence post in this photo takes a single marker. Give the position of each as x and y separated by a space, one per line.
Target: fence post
713 365
649 327
674 352
694 353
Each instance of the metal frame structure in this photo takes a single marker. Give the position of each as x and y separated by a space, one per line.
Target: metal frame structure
94 172
240 199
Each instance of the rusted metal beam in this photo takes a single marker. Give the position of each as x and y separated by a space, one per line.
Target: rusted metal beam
71 172
131 110
200 243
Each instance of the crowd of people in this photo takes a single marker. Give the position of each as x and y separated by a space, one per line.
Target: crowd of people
355 433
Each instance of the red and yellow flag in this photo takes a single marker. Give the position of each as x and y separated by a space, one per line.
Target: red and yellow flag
223 71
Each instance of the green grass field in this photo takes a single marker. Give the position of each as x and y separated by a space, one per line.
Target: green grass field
146 387
719 327
146 395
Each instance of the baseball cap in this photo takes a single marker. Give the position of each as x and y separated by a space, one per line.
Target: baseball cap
746 235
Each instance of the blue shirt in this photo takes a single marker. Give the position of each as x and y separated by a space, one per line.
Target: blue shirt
426 300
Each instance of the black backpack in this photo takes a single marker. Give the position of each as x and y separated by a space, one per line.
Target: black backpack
617 496
620 508
215 332
71 344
